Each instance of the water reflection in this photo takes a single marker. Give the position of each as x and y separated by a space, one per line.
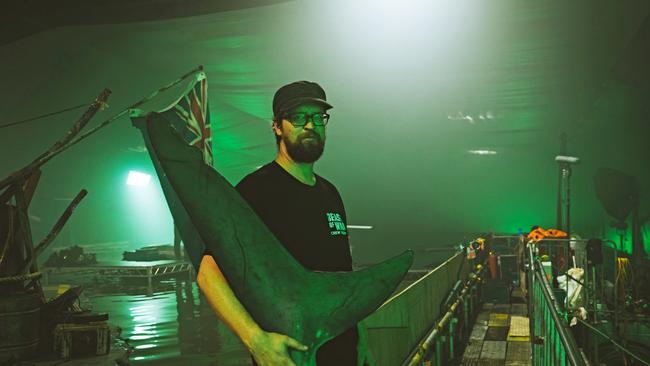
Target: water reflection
173 327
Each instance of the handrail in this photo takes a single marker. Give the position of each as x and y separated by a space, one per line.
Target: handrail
560 324
420 352
557 327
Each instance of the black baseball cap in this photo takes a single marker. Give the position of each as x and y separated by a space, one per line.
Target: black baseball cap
297 93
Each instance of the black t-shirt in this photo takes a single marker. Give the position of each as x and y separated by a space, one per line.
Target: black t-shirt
310 222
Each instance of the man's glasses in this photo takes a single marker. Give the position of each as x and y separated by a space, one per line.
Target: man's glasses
301 119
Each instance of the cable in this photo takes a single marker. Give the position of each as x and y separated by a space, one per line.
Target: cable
613 342
43 116
125 111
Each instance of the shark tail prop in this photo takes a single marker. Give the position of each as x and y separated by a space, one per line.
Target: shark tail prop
280 294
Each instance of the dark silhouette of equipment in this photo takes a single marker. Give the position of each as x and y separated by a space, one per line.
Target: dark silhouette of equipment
618 192
595 251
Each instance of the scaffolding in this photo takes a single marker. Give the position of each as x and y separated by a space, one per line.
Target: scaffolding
147 270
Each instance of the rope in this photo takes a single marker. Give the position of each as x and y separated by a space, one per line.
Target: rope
20 278
43 116
125 111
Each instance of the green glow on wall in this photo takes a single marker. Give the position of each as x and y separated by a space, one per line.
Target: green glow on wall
625 236
394 72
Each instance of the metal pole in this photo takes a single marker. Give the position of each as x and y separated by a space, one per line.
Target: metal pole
149 282
558 208
568 199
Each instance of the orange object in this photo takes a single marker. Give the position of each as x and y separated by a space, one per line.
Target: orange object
492 264
538 234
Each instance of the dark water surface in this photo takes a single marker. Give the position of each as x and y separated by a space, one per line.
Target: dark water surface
175 326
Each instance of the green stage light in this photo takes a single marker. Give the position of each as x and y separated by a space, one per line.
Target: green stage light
138 179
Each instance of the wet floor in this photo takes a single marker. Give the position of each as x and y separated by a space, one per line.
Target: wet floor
175 326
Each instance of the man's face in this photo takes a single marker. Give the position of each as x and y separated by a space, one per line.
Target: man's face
303 144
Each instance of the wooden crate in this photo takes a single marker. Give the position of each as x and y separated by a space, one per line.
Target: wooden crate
82 340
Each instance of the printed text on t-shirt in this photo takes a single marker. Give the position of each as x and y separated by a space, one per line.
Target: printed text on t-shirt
336 224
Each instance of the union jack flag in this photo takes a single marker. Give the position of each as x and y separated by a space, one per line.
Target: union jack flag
190 116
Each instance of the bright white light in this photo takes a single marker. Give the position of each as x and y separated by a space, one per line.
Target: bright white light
483 152
360 227
145 346
138 179
140 337
471 118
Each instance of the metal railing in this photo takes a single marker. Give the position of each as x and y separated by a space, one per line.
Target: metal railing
456 303
553 343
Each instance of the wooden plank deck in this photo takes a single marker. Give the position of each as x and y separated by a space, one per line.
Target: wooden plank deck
494 350
498 320
518 354
519 309
483 317
478 332
519 329
496 334
473 351
481 362
499 337
501 308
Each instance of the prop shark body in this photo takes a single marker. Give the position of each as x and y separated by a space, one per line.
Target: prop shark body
280 294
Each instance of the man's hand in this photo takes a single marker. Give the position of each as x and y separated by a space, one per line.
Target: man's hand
268 349
272 349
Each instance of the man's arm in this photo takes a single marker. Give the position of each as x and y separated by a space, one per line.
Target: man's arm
268 349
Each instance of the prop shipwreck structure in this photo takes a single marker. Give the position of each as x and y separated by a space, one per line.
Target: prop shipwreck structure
27 320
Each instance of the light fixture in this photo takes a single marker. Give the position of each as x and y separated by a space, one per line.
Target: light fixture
360 227
482 152
138 179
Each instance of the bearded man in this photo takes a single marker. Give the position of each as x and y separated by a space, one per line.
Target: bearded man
306 214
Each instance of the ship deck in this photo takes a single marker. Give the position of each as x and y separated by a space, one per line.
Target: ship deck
500 336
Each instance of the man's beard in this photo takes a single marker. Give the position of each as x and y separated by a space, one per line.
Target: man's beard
305 151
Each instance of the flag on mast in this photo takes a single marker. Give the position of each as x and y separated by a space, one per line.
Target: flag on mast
189 115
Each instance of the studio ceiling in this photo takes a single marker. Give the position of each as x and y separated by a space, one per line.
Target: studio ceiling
419 89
